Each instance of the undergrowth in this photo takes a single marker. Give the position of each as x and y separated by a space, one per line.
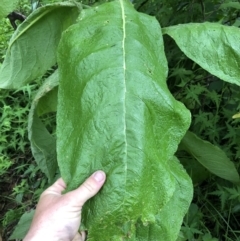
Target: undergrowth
21 182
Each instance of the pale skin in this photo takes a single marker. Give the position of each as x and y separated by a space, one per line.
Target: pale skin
58 216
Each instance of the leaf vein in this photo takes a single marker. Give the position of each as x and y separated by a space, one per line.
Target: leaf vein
124 84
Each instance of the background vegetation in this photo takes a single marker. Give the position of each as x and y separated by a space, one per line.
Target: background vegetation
215 210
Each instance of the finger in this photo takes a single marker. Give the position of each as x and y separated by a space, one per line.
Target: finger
79 237
57 188
89 188
83 236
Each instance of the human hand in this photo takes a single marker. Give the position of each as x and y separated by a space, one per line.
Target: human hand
58 216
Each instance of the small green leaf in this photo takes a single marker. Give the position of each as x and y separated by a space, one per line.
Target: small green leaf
23 226
43 144
215 47
32 48
7 6
236 116
210 156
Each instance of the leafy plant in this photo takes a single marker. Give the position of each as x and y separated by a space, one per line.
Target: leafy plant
7 7
121 116
16 162
29 30
107 135
4 164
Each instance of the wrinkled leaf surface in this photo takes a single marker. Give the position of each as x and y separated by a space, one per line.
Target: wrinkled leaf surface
210 156
32 48
163 229
116 113
213 46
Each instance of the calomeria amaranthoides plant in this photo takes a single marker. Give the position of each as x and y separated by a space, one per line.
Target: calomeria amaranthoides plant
114 112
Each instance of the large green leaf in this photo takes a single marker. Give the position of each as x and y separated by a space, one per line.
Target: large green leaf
215 47
7 6
43 144
32 48
210 156
116 113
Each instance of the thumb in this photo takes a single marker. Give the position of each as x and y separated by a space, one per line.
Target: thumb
89 188
56 189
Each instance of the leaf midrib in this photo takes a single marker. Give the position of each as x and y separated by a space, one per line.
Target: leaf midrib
124 84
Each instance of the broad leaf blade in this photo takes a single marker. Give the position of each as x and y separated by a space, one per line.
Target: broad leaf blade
116 113
43 144
215 47
210 156
32 48
170 218
7 6
23 226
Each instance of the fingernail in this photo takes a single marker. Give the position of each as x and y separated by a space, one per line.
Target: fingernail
99 176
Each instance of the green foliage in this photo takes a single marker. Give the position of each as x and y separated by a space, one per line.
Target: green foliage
7 6
23 225
120 115
5 34
39 56
43 144
219 53
14 108
19 187
5 163
210 156
21 182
